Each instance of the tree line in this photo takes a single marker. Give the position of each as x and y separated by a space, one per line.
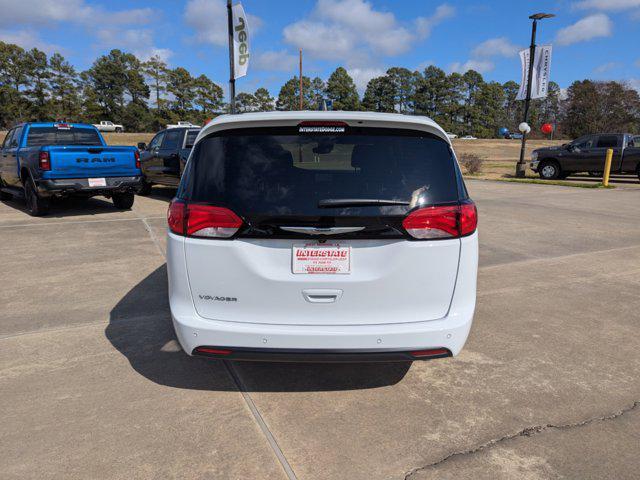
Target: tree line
147 95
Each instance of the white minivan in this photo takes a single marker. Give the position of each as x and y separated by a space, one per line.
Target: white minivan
322 236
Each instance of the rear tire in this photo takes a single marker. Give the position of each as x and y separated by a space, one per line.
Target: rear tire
145 189
123 201
118 130
549 170
36 205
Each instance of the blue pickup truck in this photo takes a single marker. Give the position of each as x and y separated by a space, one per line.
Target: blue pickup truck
40 161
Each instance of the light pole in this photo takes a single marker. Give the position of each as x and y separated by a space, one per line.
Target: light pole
522 166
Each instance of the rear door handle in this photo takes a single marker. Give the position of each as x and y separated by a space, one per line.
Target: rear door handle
321 295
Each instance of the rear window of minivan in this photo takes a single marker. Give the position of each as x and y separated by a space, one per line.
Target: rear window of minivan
281 171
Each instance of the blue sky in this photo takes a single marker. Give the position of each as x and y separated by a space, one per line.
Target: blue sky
592 38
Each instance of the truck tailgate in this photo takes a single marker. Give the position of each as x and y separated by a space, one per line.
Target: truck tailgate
85 162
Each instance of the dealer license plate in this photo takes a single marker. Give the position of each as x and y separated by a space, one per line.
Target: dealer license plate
322 258
97 182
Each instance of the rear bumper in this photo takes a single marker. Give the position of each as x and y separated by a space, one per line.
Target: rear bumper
392 340
81 185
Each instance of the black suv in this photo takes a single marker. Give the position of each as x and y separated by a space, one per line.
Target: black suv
163 160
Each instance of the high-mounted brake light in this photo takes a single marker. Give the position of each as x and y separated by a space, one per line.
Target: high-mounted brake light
322 123
136 155
442 222
44 161
203 221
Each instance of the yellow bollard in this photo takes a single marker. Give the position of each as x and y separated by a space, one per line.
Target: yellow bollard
607 167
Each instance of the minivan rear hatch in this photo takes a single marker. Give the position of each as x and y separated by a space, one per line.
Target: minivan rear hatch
331 196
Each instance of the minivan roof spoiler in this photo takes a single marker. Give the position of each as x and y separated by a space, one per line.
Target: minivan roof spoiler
292 118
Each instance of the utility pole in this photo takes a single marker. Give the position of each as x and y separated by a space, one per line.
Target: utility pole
521 167
301 92
232 75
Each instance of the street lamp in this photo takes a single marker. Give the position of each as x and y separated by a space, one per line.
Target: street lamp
522 166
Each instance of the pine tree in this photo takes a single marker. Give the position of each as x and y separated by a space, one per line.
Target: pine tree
342 90
265 102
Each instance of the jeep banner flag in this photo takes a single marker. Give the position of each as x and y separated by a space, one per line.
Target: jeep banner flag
240 42
541 71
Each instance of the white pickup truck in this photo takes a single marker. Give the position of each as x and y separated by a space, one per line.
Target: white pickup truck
106 126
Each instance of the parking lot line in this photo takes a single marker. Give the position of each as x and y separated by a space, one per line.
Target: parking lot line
76 222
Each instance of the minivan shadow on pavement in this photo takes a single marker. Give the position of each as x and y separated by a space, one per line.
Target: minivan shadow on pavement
140 328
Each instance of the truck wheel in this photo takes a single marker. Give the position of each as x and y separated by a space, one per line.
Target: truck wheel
36 205
549 170
118 130
145 189
123 201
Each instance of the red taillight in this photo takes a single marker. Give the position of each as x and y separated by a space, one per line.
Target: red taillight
442 222
136 154
434 352
176 216
202 220
45 161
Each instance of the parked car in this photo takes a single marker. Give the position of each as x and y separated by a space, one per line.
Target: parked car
587 154
468 137
184 125
452 136
41 161
513 136
332 236
106 126
163 160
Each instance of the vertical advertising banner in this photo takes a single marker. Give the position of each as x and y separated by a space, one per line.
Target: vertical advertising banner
240 41
541 72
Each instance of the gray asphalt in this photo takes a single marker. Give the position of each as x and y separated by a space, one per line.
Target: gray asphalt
94 385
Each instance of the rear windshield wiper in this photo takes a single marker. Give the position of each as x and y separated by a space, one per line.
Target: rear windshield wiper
358 202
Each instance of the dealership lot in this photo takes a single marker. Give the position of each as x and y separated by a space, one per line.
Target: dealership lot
94 385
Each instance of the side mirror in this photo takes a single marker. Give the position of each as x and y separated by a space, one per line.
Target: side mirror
142 146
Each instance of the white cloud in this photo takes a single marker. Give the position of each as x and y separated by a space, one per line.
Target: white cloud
605 67
593 26
611 5
276 61
425 25
29 39
138 41
353 31
361 76
634 83
480 66
42 12
209 20
500 46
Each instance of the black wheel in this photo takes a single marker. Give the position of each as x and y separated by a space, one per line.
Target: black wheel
549 170
595 174
123 201
118 130
5 195
36 205
145 189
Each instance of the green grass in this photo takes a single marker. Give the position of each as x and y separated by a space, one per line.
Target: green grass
562 183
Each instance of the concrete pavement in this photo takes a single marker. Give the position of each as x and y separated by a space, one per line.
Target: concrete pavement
93 384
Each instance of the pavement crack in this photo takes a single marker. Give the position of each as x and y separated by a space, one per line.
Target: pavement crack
525 432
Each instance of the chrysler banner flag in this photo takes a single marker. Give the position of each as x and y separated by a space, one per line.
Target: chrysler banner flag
541 70
240 41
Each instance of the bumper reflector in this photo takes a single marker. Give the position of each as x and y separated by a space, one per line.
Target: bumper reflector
211 351
436 352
